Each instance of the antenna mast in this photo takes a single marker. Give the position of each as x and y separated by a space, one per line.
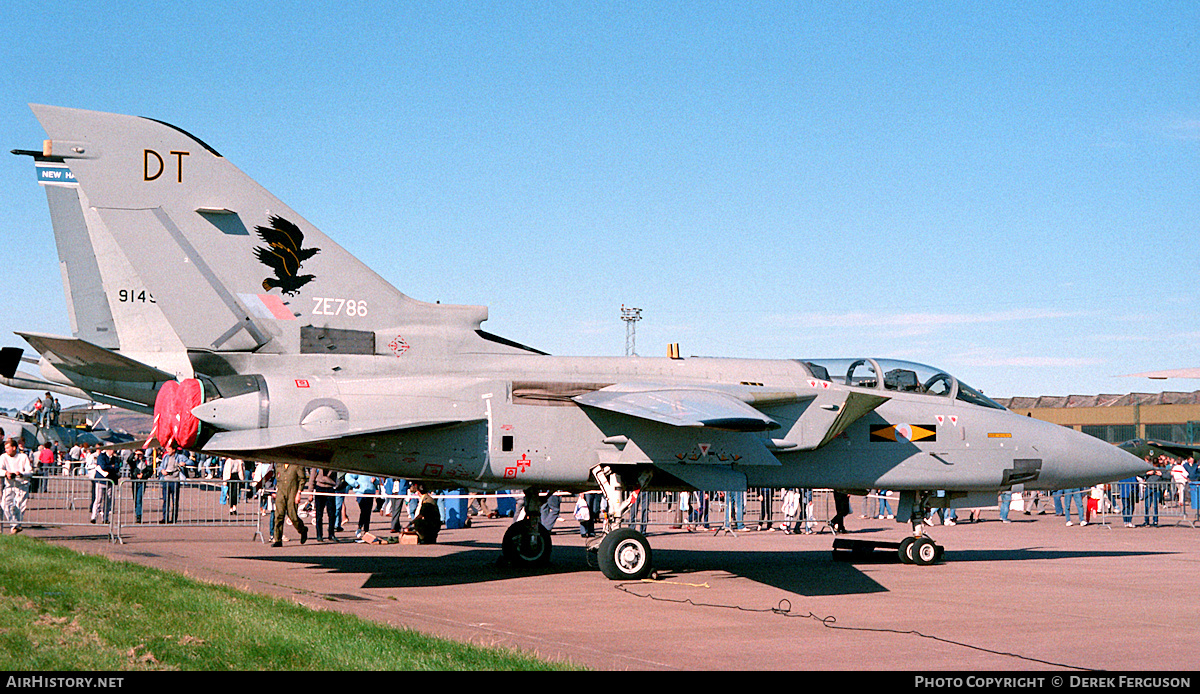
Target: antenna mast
631 316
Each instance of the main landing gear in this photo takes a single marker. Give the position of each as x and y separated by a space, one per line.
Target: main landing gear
623 554
527 543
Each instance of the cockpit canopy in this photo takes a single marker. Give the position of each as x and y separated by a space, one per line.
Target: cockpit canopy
895 375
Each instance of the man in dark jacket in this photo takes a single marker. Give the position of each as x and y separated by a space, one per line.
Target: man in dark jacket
323 485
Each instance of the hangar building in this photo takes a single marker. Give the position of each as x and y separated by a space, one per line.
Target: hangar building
1169 416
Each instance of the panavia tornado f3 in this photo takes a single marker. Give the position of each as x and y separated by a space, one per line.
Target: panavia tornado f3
197 295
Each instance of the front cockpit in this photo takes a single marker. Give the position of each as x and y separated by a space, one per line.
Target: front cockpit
898 376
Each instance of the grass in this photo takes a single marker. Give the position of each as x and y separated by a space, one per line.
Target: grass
61 610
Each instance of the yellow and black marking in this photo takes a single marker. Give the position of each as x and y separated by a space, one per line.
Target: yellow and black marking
904 432
999 435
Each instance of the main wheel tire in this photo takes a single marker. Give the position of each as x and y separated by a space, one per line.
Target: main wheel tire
625 555
524 548
906 544
924 552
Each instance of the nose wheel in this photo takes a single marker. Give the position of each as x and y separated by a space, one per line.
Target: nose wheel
921 551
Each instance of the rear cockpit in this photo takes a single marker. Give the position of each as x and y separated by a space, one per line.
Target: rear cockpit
898 376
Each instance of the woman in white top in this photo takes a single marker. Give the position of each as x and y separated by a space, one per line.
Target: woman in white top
17 472
234 472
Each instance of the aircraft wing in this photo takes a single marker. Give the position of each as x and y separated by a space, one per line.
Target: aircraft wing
681 407
92 361
293 441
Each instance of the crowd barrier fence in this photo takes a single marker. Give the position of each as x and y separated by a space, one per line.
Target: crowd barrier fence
71 500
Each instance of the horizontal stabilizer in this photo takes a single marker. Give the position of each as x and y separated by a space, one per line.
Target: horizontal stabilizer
681 407
80 357
262 441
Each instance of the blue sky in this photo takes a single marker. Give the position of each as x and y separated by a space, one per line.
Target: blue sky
1006 190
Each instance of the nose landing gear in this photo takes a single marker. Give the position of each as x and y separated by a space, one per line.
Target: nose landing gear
921 551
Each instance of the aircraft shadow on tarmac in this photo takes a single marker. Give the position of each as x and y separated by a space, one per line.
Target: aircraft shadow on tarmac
475 562
808 573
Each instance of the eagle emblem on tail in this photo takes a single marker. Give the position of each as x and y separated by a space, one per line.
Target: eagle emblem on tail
284 255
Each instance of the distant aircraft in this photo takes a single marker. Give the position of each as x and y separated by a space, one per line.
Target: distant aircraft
1170 373
294 351
25 427
1144 447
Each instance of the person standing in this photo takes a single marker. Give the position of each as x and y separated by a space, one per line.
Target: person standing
841 506
46 463
1193 471
363 487
44 412
1153 495
885 506
1073 498
1005 505
170 472
551 510
735 510
323 485
590 512
1095 497
639 511
140 470
791 509
766 509
1179 478
107 472
17 472
233 472
289 481
1128 491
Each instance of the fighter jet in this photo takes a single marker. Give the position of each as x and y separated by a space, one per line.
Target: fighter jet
297 352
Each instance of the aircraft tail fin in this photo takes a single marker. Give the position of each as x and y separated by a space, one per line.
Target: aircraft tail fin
107 303
227 265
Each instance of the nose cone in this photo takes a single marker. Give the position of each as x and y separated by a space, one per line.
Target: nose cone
1079 460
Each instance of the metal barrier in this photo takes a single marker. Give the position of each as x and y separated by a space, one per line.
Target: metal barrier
662 510
728 511
67 500
389 505
70 500
187 503
1152 503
